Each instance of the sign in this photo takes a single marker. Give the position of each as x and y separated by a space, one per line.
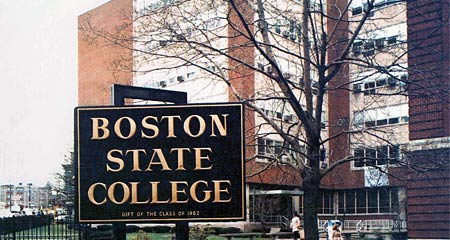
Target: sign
160 163
376 176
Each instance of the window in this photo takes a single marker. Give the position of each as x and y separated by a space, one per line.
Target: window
359 157
361 201
393 120
364 201
392 40
379 156
384 203
381 122
277 28
275 148
341 202
325 204
390 81
300 209
369 45
381 116
369 53
393 155
356 49
356 88
381 82
350 202
190 75
382 155
356 11
372 201
379 43
369 88
261 146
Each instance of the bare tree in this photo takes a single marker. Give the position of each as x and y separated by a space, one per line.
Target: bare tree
285 60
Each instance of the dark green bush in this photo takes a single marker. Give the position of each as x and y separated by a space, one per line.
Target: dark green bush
161 229
103 228
260 230
230 230
156 229
132 229
147 229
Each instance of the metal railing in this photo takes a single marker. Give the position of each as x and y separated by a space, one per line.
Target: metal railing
383 225
370 225
37 227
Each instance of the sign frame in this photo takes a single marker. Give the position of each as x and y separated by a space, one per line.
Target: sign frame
79 151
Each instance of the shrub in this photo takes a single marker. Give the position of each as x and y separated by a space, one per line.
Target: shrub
200 232
230 230
132 229
147 229
103 228
156 229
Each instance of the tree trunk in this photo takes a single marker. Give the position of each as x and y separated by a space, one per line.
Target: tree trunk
311 196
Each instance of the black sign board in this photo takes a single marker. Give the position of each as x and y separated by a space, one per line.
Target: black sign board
160 163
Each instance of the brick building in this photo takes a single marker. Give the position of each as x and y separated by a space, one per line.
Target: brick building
417 201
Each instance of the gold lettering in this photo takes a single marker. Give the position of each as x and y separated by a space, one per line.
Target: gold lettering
118 131
135 153
149 126
175 191
187 125
113 159
96 127
170 127
222 127
162 160
218 191
91 191
199 158
134 194
193 192
180 156
155 193
126 193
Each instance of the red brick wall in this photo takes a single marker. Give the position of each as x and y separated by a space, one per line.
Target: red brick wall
428 201
241 77
96 69
429 69
339 105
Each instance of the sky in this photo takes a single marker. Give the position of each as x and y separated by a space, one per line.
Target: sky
38 91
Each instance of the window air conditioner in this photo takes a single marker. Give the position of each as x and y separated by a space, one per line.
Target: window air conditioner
391 82
301 81
180 78
287 117
356 50
293 36
379 43
162 43
357 88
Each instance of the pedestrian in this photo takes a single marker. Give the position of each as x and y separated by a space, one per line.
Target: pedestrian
295 225
336 232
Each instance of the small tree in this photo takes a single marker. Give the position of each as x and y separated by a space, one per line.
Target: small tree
65 182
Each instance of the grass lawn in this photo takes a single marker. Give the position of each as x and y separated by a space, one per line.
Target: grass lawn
167 236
